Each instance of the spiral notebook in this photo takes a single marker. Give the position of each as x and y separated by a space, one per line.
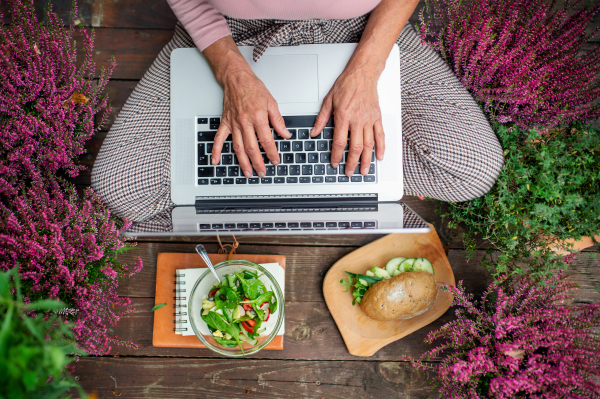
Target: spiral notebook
175 270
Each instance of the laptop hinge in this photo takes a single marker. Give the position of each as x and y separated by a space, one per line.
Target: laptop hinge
287 203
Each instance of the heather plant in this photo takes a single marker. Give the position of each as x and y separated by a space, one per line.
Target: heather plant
522 60
522 339
47 102
66 250
34 348
547 192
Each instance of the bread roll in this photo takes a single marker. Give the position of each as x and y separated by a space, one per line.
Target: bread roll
402 297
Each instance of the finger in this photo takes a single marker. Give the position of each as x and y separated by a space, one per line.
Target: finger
379 139
277 120
323 116
356 148
340 140
252 150
222 132
238 148
266 141
367 152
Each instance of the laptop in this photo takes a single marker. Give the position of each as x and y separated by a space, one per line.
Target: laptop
304 194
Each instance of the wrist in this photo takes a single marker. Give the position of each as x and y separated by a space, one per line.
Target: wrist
369 64
226 60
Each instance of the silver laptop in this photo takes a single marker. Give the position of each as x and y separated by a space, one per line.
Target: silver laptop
303 194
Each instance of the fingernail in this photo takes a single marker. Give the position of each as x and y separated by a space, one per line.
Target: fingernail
247 173
335 165
364 172
261 174
214 161
349 174
275 163
287 132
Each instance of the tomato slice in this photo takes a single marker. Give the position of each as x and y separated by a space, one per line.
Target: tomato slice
251 322
246 306
213 292
247 327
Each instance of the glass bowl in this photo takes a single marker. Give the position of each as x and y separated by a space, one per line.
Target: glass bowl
200 291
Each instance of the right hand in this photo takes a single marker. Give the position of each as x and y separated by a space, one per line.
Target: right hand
248 106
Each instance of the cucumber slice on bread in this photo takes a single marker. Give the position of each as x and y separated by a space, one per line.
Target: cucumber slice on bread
422 264
406 266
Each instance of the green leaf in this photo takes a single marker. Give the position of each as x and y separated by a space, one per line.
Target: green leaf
45 304
160 305
226 298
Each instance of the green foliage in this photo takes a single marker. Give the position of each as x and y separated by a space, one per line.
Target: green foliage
547 192
34 348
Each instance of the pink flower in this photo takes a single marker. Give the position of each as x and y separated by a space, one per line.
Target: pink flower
110 273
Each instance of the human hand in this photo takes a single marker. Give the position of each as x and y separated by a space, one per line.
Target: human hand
248 106
354 103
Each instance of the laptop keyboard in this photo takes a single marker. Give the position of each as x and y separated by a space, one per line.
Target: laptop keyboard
286 226
303 159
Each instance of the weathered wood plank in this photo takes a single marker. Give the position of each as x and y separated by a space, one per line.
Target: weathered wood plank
234 378
305 268
310 334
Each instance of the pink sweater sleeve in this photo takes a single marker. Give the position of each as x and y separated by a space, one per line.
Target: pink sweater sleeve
202 21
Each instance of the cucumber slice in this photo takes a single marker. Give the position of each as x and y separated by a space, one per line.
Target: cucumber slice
393 264
363 282
406 266
381 273
370 273
423 264
397 272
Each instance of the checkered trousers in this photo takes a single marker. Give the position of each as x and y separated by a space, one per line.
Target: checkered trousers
450 151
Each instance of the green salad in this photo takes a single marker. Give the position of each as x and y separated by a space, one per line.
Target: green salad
235 309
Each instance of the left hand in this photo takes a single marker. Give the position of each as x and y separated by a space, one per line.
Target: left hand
354 103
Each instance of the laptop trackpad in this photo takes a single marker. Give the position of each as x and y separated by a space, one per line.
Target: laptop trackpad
290 78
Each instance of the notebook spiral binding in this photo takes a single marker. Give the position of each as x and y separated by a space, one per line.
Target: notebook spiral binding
180 305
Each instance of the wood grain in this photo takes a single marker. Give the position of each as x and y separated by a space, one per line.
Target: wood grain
225 378
363 335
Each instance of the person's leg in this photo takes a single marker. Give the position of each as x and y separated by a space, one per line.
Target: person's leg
450 151
131 173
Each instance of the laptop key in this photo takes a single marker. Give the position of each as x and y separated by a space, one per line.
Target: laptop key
202 121
209 147
317 179
285 146
201 149
233 171
202 159
372 169
344 224
288 158
304 179
235 160
297 146
293 225
282 170
303 134
205 226
255 225
242 225
292 134
215 127
206 136
356 178
330 169
221 171
253 180
206 171
328 133
226 148
301 158
266 180
267 225
228 180
217 226
292 180
215 121
313 157
322 145
319 169
294 170
343 179
331 224
280 225
307 170
369 178
215 181
309 145
318 136
230 225
330 179
279 180
356 224
202 182
305 225
318 224
240 180
369 224
227 159
270 170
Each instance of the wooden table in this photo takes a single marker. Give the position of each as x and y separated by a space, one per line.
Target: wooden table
315 362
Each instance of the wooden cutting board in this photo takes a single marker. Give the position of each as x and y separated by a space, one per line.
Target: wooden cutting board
364 336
